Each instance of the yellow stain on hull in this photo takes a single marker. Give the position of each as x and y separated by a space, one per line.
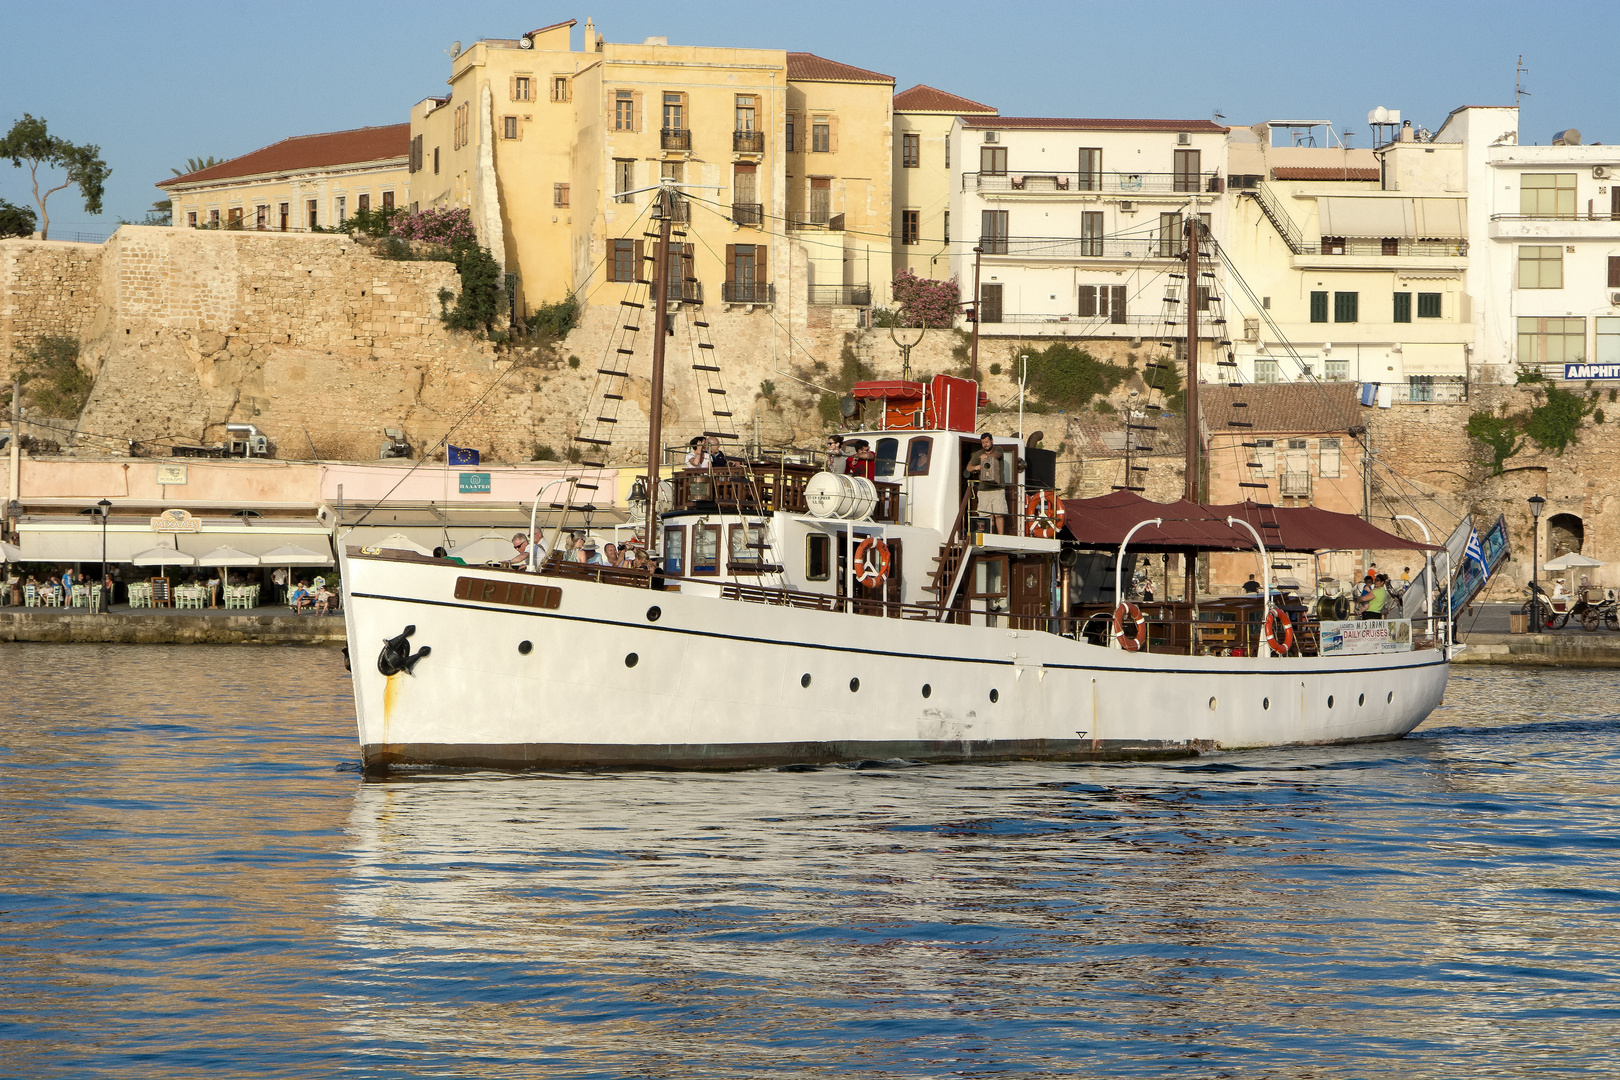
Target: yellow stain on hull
390 693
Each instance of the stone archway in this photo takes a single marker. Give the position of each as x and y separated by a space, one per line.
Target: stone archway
1565 533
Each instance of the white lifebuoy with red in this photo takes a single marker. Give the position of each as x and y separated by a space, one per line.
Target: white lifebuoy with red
871 562
1275 621
1043 514
1130 642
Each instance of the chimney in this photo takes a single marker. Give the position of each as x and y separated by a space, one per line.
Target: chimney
590 35
1406 131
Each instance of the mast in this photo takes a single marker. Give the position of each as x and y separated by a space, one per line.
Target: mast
1193 447
655 405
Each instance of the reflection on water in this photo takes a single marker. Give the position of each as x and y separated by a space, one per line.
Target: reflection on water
189 885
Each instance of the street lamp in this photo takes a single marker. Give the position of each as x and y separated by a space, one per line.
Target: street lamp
1536 502
105 506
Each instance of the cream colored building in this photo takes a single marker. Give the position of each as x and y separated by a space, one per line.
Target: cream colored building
555 150
297 184
923 230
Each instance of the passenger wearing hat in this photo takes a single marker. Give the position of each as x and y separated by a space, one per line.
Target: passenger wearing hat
591 556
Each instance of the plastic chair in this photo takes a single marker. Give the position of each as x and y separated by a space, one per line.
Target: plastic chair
30 596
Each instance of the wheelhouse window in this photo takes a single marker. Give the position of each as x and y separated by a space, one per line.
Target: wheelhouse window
817 557
919 452
705 549
674 548
745 550
990 577
887 450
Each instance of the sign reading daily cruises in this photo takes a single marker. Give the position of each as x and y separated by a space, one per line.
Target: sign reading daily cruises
1578 372
1366 636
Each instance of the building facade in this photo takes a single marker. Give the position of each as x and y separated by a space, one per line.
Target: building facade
1079 223
298 184
923 117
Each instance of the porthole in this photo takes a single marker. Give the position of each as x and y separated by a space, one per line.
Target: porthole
525 647
928 691
1361 699
1265 703
1330 701
653 613
804 680
995 696
1211 704
631 660
854 685
1389 697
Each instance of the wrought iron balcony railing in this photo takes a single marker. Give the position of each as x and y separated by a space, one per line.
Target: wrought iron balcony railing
841 295
815 219
748 213
1147 246
1090 183
675 139
748 142
748 292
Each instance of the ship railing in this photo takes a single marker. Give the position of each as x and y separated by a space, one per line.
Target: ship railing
1226 626
763 487
796 598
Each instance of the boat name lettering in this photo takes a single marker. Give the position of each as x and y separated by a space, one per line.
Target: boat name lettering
515 593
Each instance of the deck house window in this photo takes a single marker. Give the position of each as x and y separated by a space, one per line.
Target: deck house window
887 449
918 454
817 557
674 548
745 548
705 549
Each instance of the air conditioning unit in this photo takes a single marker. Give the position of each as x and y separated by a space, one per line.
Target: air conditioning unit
1183 139
1614 298
1600 172
1127 207
991 136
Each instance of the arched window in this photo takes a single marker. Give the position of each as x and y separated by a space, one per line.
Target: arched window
1565 533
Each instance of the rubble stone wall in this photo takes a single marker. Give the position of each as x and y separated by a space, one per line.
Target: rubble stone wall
47 288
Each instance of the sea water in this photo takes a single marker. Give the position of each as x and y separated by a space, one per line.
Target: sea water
191 884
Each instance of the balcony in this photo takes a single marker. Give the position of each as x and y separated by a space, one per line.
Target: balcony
748 213
1393 247
1090 183
1055 324
682 210
815 219
748 292
675 139
1594 226
689 291
1070 249
841 295
748 142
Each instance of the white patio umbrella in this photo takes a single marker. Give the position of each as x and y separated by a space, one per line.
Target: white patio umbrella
488 548
10 552
401 542
226 557
1571 560
161 556
291 555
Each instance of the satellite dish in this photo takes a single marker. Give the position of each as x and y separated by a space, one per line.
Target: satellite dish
526 42
455 49
847 407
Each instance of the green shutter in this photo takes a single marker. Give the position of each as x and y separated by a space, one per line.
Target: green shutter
1319 307
1403 307
1346 307
1428 305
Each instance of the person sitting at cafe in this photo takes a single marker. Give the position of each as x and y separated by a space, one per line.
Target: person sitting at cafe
697 455
300 598
323 600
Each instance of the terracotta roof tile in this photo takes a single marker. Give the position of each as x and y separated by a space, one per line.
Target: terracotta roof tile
924 98
310 152
1324 172
808 67
1281 408
1040 123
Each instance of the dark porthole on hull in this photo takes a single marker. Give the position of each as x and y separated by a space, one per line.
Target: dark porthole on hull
1265 703
995 696
653 613
525 647
631 660
1361 699
928 691
1389 698
1330 701
854 685
804 680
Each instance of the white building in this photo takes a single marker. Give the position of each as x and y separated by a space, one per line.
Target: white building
1544 222
1079 222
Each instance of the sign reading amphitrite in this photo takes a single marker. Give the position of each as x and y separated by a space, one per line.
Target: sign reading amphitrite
1578 372
1366 636
176 521
171 474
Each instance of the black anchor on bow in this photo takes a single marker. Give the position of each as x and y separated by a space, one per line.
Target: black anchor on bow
396 655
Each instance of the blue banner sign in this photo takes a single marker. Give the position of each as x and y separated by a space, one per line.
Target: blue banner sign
1578 372
475 483
1469 580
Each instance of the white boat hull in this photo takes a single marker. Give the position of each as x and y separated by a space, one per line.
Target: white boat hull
620 677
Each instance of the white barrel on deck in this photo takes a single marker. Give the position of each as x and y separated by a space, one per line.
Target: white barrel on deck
835 495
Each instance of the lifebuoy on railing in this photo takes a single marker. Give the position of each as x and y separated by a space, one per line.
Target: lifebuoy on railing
1278 619
1133 641
1043 514
871 562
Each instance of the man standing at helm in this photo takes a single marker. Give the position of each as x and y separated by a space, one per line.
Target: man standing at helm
987 469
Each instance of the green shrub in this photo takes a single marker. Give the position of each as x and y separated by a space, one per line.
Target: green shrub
1069 377
573 361
554 321
1556 421
53 382
542 452
482 297
995 369
1502 435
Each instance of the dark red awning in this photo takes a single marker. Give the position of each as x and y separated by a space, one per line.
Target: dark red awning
1103 522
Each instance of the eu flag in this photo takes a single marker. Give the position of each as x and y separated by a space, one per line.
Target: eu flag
461 455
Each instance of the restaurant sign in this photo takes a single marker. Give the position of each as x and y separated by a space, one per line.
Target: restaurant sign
171 474
1581 372
475 483
1365 636
176 521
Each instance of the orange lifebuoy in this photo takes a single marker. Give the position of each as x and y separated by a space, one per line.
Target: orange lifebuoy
1130 642
1043 514
871 562
1278 615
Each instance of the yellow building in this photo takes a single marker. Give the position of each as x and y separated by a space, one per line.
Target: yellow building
296 184
556 151
922 178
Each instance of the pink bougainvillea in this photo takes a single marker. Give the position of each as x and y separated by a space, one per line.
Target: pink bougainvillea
924 301
438 224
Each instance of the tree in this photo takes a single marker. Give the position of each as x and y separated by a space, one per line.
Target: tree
194 164
15 220
29 142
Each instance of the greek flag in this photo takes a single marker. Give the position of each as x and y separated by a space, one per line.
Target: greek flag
1475 552
461 455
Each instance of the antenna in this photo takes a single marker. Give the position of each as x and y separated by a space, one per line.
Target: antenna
455 49
1518 81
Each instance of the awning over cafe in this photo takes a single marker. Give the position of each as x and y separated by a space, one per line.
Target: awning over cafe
78 539
1103 523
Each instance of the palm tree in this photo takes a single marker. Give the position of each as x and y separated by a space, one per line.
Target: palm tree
197 165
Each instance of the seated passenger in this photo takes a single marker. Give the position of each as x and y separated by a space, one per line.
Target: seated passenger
697 456
861 461
837 459
717 456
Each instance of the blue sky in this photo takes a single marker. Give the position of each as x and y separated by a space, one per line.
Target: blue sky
155 84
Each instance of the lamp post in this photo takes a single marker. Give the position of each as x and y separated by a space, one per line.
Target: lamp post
105 507
1536 502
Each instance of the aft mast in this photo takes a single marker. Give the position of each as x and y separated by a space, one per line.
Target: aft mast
1194 445
655 405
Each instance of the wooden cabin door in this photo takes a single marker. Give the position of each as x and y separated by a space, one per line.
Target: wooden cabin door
1030 599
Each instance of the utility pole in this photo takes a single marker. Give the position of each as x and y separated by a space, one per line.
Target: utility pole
655 405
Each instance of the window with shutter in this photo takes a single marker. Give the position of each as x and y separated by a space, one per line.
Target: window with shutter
990 301
1088 301
1090 178
947 227
1346 307
910 226
993 231
1429 305
1091 233
559 194
792 128
624 261
624 111
1614 265
911 150
1116 305
1319 307
1403 307
1187 168
1327 461
820 135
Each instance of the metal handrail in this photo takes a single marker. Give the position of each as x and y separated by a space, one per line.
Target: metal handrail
748 142
841 295
1047 182
675 138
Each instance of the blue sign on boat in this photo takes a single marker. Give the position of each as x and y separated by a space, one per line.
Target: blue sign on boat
475 483
1577 372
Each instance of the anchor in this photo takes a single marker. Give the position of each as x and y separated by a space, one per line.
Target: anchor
396 655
